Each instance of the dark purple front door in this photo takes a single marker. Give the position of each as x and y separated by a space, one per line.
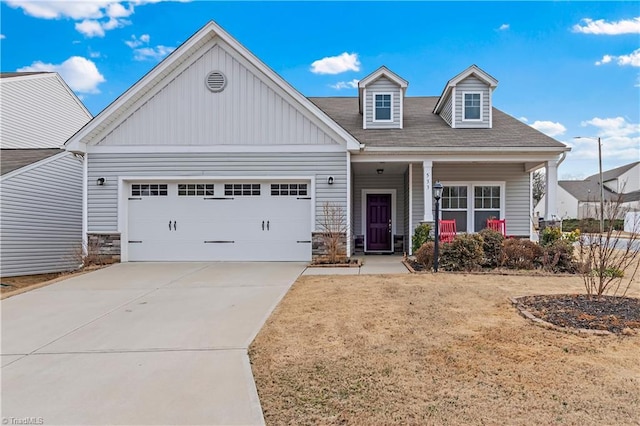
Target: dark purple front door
378 222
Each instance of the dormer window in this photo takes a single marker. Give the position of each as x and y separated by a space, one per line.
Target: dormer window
382 110
472 106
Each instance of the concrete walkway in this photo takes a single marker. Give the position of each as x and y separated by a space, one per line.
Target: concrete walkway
371 264
140 343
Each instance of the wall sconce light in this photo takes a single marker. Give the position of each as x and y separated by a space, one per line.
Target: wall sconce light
330 180
380 171
101 181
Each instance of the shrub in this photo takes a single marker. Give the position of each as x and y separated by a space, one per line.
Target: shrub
424 255
521 254
558 257
492 247
464 253
549 235
421 235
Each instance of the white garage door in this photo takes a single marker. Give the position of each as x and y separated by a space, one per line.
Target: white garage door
204 221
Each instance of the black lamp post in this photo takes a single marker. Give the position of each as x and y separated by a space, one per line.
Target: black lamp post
437 194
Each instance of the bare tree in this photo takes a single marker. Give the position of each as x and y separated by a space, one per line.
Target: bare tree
607 258
333 224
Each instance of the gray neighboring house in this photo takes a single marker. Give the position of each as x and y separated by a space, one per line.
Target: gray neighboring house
214 156
579 199
40 182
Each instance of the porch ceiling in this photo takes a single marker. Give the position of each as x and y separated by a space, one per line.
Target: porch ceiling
390 168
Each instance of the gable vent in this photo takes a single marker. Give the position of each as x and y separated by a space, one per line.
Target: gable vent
216 81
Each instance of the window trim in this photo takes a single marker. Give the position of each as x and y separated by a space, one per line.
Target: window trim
471 210
375 119
464 108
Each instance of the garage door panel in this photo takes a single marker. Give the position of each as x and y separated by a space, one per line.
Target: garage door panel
245 227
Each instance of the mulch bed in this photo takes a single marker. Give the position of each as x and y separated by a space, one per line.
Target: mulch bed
581 311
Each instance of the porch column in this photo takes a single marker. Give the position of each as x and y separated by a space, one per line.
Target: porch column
427 167
551 190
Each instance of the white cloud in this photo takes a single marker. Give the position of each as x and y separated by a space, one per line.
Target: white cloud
152 53
549 128
92 18
81 74
632 59
602 27
137 42
620 139
504 27
90 28
94 54
2 36
336 64
345 84
524 119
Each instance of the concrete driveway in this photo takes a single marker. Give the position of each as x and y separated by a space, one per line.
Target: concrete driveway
140 343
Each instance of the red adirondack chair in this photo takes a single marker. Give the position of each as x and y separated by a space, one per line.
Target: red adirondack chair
447 231
498 225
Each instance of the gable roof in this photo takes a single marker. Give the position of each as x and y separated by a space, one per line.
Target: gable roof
472 70
614 173
151 83
425 131
383 71
14 159
38 110
587 190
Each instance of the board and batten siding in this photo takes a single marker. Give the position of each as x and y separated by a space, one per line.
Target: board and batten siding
249 111
472 84
103 200
384 85
38 112
41 218
517 189
383 182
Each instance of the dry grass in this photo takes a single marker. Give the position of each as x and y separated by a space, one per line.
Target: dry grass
437 349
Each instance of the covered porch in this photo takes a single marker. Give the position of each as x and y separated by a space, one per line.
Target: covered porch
390 198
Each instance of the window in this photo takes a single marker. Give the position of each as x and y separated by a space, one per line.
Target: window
486 204
148 189
195 189
454 205
382 110
295 189
472 204
248 189
472 102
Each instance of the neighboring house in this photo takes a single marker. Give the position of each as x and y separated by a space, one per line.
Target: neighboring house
213 156
579 199
40 182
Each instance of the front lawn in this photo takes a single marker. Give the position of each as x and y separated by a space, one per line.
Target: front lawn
437 349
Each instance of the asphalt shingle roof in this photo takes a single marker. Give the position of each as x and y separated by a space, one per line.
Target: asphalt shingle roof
614 173
13 159
587 190
423 129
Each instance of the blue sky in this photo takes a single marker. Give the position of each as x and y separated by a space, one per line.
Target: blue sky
566 68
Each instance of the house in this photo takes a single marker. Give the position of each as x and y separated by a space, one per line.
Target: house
213 156
40 182
579 199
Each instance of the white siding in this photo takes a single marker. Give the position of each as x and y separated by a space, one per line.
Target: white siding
38 112
384 85
384 181
249 111
630 180
517 189
102 200
472 84
41 218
